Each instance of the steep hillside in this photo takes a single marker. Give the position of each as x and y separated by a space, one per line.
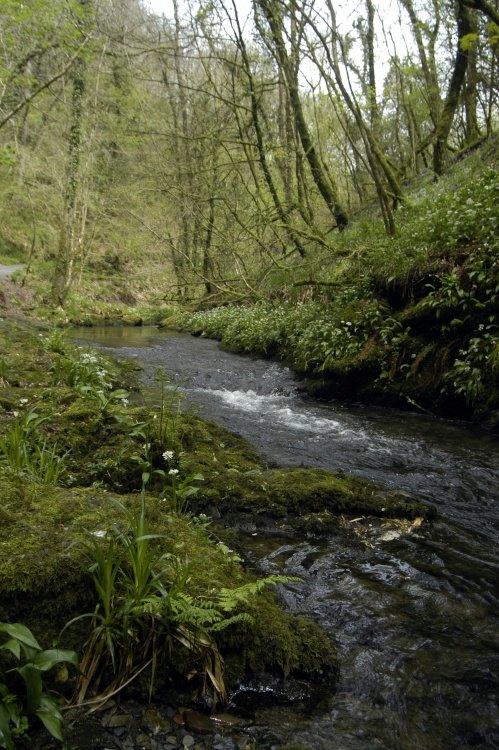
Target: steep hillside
409 320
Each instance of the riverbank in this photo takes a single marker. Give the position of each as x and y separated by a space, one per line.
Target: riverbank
78 442
409 321
411 606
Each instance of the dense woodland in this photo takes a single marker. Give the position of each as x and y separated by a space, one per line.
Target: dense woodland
218 148
296 152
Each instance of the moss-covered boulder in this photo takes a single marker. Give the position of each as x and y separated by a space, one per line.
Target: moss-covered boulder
303 493
45 580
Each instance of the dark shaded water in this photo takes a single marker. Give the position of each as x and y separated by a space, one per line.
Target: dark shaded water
415 615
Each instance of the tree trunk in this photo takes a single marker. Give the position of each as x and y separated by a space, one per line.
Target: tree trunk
327 189
69 236
464 27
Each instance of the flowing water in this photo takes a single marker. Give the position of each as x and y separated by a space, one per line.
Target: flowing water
414 615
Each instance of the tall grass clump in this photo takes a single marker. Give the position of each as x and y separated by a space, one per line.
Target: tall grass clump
148 609
23 452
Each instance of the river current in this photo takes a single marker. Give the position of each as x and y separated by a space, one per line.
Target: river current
414 615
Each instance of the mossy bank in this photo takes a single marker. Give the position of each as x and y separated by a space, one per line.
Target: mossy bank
79 445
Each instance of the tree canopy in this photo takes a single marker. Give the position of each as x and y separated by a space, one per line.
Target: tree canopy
218 148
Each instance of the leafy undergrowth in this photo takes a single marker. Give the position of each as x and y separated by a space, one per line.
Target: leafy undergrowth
410 320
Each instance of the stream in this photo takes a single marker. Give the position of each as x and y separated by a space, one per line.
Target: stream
415 616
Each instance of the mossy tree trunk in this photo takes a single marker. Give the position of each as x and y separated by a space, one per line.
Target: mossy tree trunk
72 231
464 27
326 186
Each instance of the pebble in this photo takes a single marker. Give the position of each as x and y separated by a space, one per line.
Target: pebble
130 726
223 743
153 721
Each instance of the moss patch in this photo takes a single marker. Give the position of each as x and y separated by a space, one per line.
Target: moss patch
292 646
279 493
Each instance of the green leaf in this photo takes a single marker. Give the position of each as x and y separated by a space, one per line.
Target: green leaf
20 633
120 393
33 679
13 646
45 660
51 716
5 734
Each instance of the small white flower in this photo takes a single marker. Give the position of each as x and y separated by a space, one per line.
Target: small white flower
23 401
99 534
15 413
125 401
168 455
173 472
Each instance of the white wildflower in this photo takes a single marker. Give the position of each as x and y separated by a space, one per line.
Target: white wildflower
168 455
99 534
173 472
23 401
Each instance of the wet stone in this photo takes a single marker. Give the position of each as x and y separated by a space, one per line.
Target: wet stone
223 743
153 721
117 721
144 742
225 720
197 722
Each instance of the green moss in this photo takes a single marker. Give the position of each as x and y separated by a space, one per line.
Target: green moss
44 579
43 571
301 492
287 645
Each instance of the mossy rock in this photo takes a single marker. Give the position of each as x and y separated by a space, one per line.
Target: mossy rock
45 580
288 646
43 568
299 492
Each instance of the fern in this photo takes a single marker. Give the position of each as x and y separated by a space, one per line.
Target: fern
145 600
230 599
